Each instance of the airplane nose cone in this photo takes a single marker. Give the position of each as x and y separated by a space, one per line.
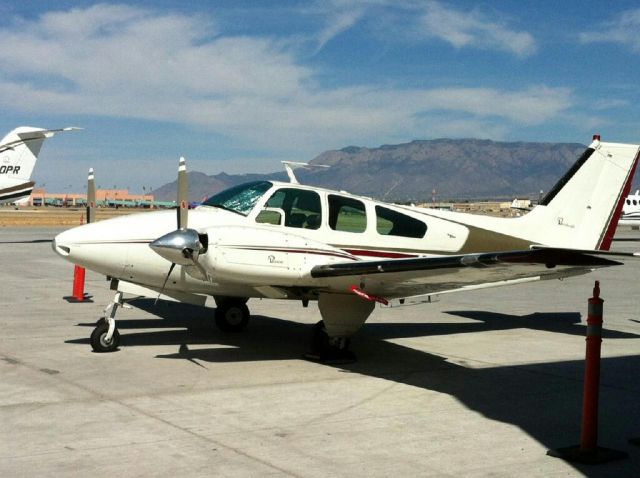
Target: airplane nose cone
93 246
72 244
59 247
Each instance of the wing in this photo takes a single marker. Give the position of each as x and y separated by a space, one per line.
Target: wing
396 278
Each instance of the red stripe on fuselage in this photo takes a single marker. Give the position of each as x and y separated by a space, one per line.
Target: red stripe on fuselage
319 252
387 254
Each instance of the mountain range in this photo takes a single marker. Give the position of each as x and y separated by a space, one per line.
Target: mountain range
456 169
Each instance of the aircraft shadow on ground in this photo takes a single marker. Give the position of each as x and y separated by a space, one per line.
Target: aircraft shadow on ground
569 323
542 399
183 325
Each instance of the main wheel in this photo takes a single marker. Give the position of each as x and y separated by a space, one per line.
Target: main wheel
319 339
329 350
232 316
99 341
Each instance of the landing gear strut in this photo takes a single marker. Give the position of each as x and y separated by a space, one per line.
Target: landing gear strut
232 315
105 337
329 349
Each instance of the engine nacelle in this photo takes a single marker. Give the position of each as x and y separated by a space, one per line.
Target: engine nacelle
265 255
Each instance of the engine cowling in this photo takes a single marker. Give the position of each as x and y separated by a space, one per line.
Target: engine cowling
262 255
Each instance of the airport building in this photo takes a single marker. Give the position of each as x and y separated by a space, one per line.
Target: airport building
104 198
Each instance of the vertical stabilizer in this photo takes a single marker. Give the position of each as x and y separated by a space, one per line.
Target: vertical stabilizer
582 210
18 155
19 151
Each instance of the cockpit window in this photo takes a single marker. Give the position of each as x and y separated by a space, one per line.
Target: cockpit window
239 199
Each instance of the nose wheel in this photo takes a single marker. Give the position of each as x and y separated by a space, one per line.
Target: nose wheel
105 337
100 341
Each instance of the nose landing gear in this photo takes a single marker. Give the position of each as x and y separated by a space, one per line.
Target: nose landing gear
105 337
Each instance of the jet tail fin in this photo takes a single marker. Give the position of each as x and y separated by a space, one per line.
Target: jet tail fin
18 155
19 151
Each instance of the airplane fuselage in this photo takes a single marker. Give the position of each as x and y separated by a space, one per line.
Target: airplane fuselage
272 245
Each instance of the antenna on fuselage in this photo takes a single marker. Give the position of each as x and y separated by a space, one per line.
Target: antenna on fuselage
291 165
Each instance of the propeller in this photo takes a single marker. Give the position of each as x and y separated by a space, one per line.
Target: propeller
91 197
183 194
182 246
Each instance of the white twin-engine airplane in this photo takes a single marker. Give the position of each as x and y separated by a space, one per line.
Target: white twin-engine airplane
270 239
18 155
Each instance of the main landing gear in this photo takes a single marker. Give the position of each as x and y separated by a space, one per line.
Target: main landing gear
232 314
105 337
342 316
327 349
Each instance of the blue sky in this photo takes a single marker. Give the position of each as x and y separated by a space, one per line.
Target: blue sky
238 86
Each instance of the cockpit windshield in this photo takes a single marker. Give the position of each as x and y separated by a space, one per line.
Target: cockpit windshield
239 199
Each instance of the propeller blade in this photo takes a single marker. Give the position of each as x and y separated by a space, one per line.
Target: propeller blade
91 197
173 264
183 195
182 247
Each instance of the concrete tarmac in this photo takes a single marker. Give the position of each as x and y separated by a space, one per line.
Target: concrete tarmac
479 384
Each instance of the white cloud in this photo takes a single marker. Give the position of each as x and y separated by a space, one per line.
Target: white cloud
474 30
622 30
127 62
610 104
336 25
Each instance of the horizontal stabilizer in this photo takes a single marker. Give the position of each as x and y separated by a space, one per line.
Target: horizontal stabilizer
26 133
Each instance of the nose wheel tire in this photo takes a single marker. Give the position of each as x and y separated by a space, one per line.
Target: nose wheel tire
232 316
99 341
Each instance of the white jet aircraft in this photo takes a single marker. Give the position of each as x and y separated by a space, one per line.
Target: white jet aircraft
18 155
269 239
631 210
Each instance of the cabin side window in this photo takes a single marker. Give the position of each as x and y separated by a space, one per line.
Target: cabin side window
346 214
393 223
301 209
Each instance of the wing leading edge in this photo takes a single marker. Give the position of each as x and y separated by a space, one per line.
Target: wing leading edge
394 278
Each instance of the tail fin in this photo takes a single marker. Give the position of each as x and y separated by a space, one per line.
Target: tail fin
582 210
18 155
